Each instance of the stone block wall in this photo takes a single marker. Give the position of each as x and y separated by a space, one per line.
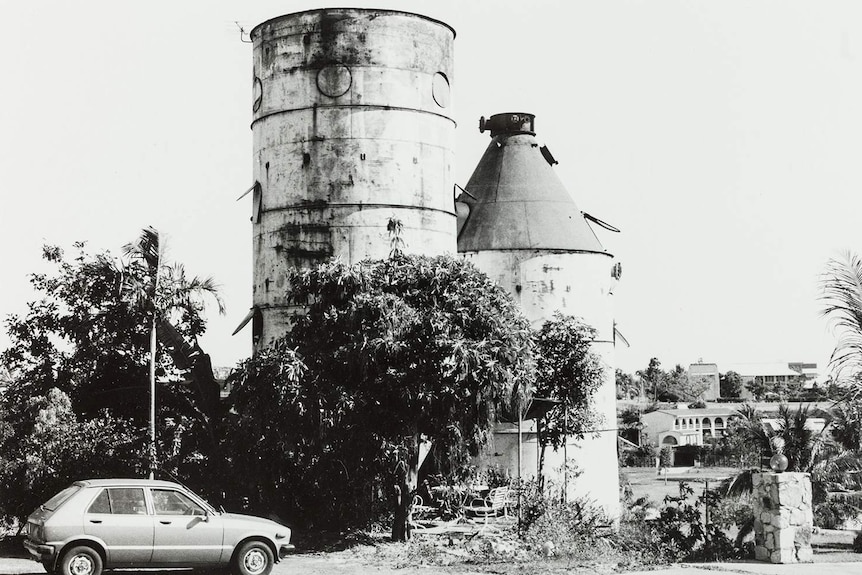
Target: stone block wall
783 517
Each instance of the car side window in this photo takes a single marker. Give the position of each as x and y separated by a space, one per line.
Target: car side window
120 501
170 502
100 504
127 501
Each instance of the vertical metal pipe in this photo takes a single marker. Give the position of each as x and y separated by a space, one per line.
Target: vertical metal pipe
520 483
153 349
153 394
566 457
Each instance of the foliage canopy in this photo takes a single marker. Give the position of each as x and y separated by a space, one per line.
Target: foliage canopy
86 337
390 358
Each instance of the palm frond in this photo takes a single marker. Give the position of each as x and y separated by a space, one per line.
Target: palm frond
841 286
738 485
146 248
185 292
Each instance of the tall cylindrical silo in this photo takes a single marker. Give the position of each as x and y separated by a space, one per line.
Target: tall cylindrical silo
352 127
525 231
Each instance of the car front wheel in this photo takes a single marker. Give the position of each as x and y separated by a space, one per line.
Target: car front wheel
81 560
253 558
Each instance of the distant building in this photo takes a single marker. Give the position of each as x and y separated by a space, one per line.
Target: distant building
706 373
772 373
681 426
677 427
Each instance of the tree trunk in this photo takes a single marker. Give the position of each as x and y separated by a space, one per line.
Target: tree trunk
401 523
405 488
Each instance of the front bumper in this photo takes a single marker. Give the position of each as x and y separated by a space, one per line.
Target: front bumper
285 549
40 553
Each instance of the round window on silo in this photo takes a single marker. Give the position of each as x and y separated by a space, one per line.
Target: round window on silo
334 80
440 89
257 94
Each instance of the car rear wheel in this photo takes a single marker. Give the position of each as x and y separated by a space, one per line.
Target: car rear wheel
253 558
81 560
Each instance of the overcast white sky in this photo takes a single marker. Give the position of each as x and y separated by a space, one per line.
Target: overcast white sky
724 138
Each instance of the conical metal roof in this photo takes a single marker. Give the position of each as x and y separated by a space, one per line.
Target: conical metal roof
516 199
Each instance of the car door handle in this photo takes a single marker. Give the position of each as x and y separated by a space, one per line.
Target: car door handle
95 520
163 522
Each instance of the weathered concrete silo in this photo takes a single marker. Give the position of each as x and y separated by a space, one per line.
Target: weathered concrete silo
522 228
351 127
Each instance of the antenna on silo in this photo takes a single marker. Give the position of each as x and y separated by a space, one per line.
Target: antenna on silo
243 34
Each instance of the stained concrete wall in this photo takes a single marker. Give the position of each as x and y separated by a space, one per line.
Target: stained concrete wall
351 126
578 284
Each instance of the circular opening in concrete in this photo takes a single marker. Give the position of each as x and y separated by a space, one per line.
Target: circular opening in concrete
257 94
440 89
334 80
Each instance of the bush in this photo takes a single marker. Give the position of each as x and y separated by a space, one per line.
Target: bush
570 526
59 449
833 514
679 534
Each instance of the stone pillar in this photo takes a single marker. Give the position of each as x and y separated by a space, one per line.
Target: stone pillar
783 517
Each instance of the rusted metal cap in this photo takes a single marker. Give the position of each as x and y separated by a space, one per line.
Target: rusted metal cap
508 123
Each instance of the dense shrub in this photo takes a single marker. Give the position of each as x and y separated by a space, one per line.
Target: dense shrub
60 448
568 525
679 533
832 514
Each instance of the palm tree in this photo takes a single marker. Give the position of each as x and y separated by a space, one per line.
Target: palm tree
162 290
809 451
841 287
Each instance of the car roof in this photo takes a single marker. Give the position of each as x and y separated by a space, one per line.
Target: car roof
126 482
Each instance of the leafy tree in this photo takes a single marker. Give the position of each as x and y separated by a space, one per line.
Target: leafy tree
627 387
568 372
630 424
674 385
652 377
730 384
54 451
87 335
391 359
678 386
758 388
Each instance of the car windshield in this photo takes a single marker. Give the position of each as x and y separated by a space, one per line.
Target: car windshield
58 500
206 504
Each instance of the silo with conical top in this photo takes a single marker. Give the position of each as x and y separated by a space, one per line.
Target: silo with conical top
352 127
519 224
